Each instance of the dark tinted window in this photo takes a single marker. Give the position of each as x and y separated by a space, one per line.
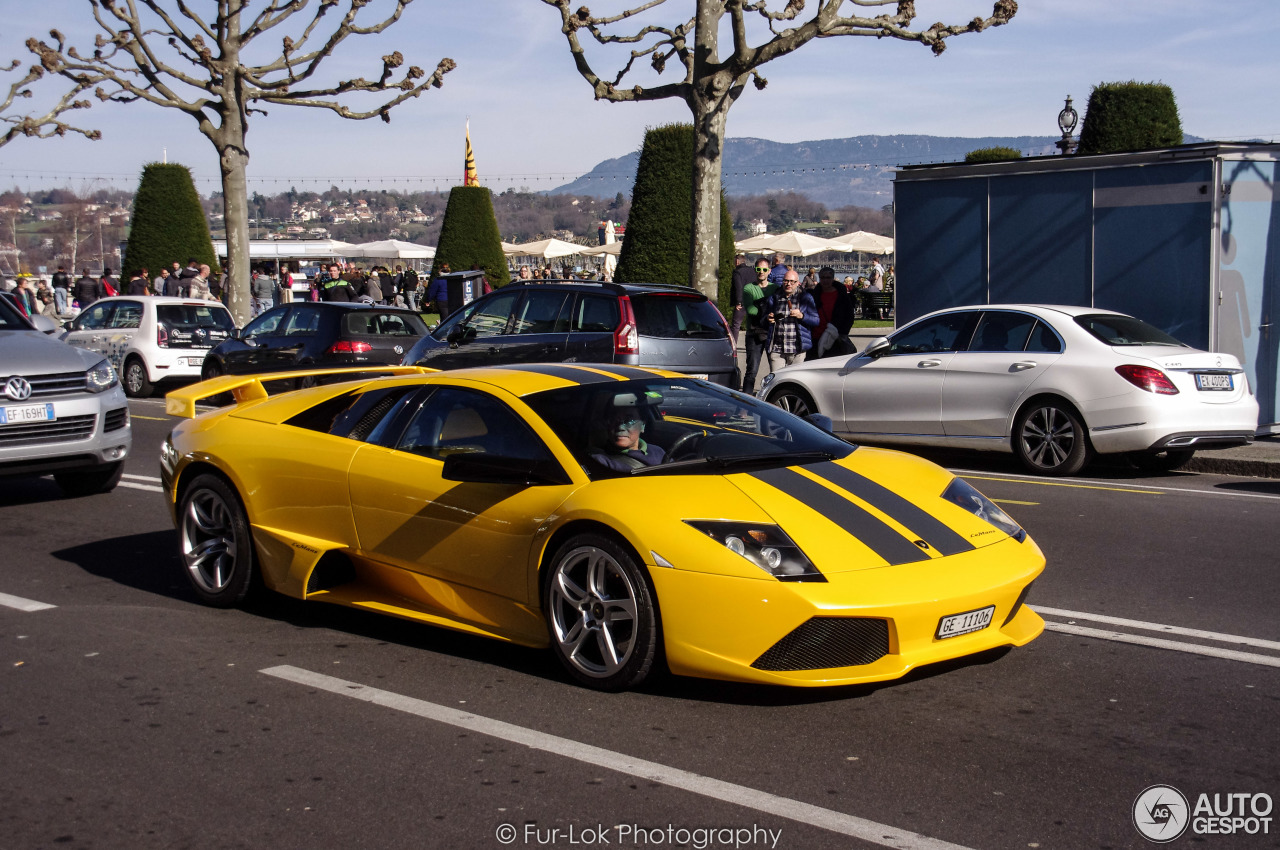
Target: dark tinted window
267 323
596 314
457 421
195 316
128 314
375 323
544 311
302 321
10 318
490 317
999 331
948 332
672 315
1044 339
97 316
1125 330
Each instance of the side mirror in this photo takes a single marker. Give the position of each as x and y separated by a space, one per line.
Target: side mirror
876 347
479 468
457 335
45 325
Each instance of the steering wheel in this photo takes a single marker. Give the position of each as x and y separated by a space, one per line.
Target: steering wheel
684 441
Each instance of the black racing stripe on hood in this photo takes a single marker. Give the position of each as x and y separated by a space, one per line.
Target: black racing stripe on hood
871 530
938 535
623 371
568 373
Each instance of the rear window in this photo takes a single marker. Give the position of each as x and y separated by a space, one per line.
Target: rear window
1125 330
371 323
195 316
677 316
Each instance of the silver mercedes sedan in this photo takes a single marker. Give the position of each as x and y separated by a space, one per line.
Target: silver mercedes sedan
1052 384
62 410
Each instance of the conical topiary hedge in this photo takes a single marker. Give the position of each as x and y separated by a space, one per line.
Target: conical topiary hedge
656 247
168 223
1130 116
469 235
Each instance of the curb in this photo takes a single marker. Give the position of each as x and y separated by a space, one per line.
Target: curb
1234 466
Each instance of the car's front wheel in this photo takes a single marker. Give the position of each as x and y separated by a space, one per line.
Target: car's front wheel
136 382
1049 439
87 482
1165 461
217 549
601 613
793 400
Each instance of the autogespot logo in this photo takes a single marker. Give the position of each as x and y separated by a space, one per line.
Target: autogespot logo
1160 813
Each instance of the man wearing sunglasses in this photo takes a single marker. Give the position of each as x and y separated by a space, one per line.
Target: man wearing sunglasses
757 330
624 449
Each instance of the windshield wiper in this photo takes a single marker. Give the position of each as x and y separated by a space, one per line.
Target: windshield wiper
784 458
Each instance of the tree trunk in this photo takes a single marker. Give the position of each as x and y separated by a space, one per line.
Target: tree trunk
235 215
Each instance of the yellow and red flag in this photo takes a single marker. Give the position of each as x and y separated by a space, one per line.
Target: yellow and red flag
469 177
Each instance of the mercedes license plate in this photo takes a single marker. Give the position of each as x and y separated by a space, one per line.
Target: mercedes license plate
962 624
26 413
1213 382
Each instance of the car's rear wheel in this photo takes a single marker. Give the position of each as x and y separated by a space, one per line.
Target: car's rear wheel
88 482
217 548
1165 461
212 369
601 613
136 382
1049 439
793 400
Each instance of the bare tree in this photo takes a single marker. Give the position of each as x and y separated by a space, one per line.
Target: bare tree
164 52
710 85
49 122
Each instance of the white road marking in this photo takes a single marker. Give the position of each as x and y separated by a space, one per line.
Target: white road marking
1157 627
148 487
1034 479
1159 643
833 821
23 604
151 478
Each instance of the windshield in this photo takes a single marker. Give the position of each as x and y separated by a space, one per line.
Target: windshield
11 319
1125 330
675 316
664 426
195 316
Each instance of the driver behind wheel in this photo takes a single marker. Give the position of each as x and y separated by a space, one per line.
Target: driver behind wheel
624 422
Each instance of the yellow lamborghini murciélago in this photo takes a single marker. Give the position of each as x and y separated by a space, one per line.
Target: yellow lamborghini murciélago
625 517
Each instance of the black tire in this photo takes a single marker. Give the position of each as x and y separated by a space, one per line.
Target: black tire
793 400
305 382
1050 439
88 482
1165 461
215 542
213 369
601 613
135 380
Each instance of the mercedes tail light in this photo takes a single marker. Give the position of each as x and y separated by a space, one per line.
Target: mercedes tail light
626 339
1148 378
346 346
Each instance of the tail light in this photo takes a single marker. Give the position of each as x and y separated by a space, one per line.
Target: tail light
346 346
162 336
1147 378
626 339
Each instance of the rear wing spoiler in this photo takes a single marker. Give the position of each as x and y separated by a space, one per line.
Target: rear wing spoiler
243 388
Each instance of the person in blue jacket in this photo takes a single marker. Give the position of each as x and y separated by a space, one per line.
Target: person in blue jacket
792 317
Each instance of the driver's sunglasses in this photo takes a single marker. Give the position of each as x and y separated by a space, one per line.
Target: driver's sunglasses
626 423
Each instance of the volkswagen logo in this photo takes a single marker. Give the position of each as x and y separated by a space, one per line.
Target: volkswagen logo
18 388
399 349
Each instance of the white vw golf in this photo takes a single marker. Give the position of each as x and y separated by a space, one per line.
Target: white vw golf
1053 385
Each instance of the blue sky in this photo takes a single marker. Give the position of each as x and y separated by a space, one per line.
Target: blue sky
534 123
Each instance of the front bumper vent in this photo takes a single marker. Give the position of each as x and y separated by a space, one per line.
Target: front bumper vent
61 430
828 642
116 419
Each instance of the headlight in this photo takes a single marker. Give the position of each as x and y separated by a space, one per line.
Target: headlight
764 384
100 378
766 546
961 492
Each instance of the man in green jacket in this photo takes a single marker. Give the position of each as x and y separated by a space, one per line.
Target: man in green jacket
756 332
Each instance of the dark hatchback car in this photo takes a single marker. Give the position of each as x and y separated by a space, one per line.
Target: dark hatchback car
633 324
314 335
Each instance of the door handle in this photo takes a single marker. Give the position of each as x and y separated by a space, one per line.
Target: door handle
493 349
1023 365
929 364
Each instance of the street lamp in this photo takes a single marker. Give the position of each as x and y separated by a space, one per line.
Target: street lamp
1067 119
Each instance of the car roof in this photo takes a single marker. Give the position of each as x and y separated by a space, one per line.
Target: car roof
163 299
1065 309
604 285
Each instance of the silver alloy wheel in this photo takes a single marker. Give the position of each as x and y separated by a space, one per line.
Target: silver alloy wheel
792 402
593 611
1049 435
209 541
135 378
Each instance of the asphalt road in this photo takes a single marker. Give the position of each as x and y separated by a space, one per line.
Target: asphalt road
131 716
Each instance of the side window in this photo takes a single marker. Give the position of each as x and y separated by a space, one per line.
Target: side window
490 318
455 420
1000 331
302 322
97 317
267 323
543 311
596 313
948 332
1044 339
128 315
